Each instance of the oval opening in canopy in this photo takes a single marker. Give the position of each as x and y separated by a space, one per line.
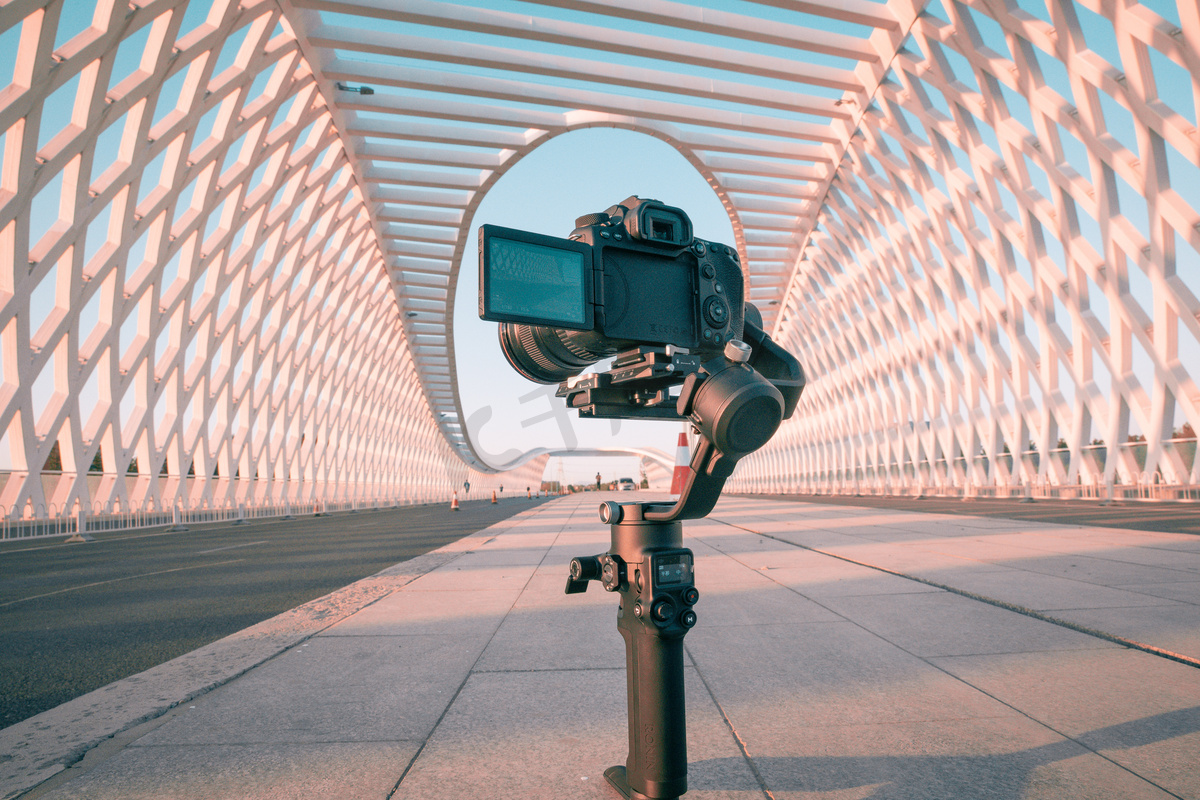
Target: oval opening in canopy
576 173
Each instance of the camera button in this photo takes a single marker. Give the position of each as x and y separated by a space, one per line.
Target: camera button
716 313
718 288
708 271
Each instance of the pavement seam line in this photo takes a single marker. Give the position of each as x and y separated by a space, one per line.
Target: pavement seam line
471 671
1029 612
82 753
929 661
737 737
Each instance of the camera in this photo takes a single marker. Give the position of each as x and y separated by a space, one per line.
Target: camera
632 275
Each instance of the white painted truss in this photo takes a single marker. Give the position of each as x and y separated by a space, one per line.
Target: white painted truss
193 287
230 272
1001 292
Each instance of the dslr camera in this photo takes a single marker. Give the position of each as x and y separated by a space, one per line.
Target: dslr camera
628 277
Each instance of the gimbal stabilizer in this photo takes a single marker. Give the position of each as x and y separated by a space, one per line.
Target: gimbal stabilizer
736 402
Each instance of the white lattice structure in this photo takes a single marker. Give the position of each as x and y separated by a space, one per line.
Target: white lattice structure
209 303
1000 292
976 224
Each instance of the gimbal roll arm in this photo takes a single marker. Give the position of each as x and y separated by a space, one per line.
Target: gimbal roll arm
736 402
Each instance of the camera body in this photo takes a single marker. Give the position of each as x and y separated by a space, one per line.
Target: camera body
629 276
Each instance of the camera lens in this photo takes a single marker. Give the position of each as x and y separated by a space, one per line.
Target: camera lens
550 355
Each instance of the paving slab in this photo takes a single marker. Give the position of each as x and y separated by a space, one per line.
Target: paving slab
1134 709
333 689
826 664
223 772
939 623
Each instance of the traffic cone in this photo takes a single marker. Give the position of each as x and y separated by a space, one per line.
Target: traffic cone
493 496
679 477
454 502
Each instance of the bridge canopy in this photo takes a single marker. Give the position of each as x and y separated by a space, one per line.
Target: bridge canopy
231 233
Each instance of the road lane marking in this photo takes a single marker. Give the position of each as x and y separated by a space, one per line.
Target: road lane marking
116 580
230 547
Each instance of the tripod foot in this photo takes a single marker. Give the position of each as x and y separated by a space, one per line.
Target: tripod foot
618 779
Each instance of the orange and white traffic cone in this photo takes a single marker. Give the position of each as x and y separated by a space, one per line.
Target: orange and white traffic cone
679 477
493 496
454 502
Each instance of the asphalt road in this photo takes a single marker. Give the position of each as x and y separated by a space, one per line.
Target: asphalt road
76 617
1161 517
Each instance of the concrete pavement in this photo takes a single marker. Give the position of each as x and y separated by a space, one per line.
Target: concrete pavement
76 617
841 653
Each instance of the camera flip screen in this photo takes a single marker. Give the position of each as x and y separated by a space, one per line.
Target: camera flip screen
539 280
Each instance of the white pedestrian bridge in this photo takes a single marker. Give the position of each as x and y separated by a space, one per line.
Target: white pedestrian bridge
230 235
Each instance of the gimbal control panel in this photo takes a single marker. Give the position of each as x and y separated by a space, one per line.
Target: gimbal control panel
660 591
663 592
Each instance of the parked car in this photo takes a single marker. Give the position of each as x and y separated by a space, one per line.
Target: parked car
626 485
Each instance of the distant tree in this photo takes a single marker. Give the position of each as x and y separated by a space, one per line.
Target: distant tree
53 460
133 467
1062 443
1137 437
97 462
1186 432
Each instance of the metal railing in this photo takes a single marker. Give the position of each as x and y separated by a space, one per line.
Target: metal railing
42 521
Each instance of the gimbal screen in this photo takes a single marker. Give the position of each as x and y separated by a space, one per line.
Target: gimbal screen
544 285
672 569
